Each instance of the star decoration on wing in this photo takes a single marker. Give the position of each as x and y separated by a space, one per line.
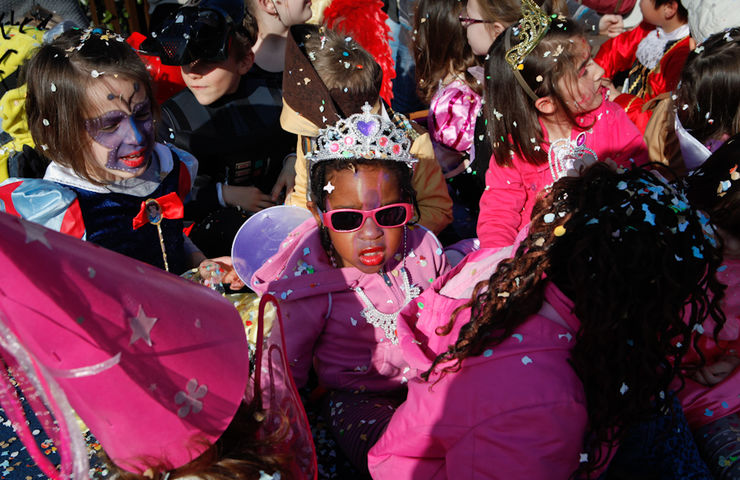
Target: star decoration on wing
35 233
141 327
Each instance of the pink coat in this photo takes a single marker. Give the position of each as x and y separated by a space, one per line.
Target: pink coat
510 194
516 411
321 311
703 404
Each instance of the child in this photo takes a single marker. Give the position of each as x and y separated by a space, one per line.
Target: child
224 119
140 356
330 76
446 83
343 276
653 54
710 397
546 113
704 110
579 334
90 110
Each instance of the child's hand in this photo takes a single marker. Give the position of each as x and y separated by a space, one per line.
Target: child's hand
611 25
286 180
612 91
250 199
713 374
219 271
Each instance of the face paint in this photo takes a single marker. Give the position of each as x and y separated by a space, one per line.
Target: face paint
125 135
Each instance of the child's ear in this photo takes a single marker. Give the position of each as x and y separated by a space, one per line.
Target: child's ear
268 6
311 205
545 105
498 28
246 63
670 10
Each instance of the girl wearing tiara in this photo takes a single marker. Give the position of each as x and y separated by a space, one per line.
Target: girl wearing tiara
91 111
546 114
543 367
344 275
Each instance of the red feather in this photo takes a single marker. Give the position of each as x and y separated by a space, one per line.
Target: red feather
365 23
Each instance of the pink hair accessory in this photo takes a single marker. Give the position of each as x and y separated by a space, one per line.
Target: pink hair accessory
156 366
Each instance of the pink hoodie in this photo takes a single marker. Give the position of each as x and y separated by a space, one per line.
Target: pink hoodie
516 411
703 404
510 194
321 311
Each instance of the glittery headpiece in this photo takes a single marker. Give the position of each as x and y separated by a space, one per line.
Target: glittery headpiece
532 27
99 33
362 135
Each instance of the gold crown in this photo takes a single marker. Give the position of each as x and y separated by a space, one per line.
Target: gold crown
532 27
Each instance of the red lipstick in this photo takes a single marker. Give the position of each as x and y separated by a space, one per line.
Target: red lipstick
372 256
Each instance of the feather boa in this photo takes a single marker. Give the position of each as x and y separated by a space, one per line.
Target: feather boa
365 22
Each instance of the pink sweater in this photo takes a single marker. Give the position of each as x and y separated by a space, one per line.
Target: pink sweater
703 404
511 192
517 411
321 311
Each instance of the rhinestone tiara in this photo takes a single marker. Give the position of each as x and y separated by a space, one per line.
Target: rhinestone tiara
362 135
533 25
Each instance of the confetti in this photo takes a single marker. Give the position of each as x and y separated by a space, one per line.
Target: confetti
45 122
559 231
623 389
526 360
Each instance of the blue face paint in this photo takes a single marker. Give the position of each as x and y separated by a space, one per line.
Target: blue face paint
129 136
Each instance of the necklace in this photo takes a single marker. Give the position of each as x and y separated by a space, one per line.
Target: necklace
388 321
566 154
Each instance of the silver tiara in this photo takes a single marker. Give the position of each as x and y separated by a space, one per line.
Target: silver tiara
362 135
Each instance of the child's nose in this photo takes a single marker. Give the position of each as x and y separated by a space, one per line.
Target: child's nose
598 72
133 133
370 229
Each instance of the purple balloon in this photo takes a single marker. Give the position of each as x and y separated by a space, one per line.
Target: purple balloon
261 235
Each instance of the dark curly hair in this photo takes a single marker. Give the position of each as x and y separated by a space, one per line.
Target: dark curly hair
633 256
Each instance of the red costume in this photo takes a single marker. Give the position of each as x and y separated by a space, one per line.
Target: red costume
618 54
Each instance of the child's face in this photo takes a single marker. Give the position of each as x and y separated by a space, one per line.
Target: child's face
369 187
120 128
210 81
293 12
583 93
652 14
480 35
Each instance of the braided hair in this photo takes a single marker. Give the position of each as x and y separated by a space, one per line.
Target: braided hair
637 262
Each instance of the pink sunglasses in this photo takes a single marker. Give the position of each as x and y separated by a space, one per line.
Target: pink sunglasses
346 220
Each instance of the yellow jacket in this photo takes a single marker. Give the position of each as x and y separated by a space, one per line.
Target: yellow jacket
14 123
431 191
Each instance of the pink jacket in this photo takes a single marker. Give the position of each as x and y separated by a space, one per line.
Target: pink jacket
516 411
321 311
510 194
703 404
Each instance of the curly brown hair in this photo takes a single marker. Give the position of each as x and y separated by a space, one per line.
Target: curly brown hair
633 256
